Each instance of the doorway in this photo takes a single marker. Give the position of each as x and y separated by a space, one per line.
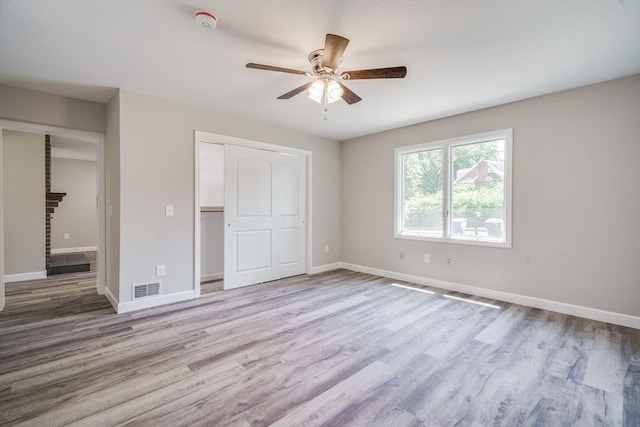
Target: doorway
265 224
89 137
72 222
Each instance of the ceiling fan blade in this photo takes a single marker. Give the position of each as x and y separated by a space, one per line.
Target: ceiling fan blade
334 47
348 95
378 73
296 91
272 68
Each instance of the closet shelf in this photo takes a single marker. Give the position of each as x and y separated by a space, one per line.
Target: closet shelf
211 209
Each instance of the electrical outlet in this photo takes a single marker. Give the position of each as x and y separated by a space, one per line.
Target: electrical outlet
326 248
449 260
401 255
427 258
168 210
65 236
159 270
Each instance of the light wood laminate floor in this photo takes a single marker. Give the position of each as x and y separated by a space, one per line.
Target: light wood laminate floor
336 349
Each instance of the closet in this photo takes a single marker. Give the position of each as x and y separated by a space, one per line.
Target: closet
253 211
211 212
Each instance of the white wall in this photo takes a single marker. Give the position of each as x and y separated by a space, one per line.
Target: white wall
157 169
24 202
576 200
77 214
211 175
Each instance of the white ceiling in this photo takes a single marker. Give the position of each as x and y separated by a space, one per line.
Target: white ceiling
461 55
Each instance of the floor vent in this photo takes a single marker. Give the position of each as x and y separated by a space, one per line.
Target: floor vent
146 290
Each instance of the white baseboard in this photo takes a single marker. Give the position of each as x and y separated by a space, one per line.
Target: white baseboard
125 307
69 250
326 267
211 277
559 307
20 277
140 304
112 299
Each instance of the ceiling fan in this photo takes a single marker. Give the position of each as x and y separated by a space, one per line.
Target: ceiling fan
326 86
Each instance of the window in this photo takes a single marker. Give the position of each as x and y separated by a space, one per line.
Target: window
456 191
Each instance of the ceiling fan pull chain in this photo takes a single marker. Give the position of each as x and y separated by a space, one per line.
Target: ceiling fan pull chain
325 98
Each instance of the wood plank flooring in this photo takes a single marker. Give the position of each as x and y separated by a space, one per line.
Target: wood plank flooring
335 349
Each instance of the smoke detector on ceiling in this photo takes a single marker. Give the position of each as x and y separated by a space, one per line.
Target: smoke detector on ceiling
206 19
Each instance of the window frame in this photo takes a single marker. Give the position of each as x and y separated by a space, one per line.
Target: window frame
447 181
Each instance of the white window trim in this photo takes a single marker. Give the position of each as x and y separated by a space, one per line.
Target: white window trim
507 135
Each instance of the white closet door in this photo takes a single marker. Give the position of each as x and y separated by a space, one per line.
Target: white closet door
291 228
265 197
250 225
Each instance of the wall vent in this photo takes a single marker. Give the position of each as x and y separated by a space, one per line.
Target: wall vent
146 290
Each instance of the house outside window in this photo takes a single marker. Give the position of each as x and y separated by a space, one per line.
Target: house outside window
456 191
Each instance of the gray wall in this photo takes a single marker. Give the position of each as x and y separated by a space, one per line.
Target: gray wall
576 200
77 214
211 245
38 107
157 169
24 202
576 235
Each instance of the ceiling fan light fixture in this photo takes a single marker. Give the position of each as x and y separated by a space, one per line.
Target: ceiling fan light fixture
334 91
316 90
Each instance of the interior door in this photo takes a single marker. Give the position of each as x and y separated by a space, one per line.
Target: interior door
291 172
265 197
250 225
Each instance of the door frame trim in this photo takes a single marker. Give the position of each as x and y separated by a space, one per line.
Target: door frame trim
99 139
214 138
